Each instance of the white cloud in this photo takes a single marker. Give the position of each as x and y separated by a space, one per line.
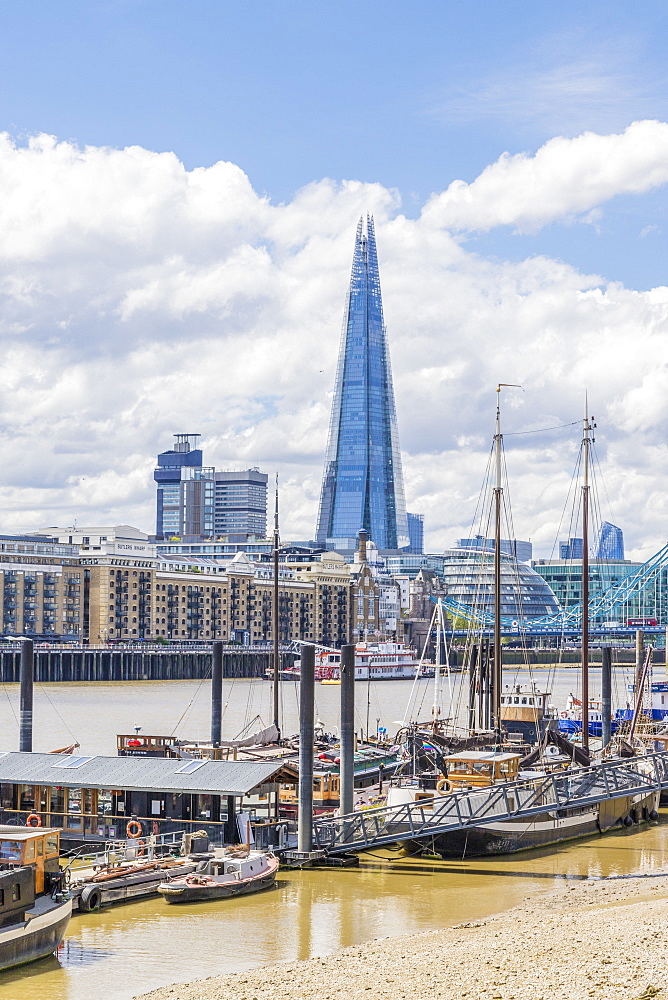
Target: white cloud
140 299
563 180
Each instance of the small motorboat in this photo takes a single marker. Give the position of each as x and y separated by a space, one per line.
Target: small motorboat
229 873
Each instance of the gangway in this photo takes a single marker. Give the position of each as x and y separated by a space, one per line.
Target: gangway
429 817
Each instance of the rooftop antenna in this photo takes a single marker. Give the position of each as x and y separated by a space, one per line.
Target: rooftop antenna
275 615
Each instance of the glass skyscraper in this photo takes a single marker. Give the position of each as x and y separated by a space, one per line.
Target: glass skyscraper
363 482
610 542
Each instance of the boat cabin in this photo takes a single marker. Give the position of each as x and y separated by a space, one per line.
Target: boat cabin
92 799
34 847
480 768
523 702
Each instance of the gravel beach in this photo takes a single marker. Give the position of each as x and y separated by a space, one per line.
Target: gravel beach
585 939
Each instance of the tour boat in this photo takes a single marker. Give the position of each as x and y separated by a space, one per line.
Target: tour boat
374 661
34 912
229 873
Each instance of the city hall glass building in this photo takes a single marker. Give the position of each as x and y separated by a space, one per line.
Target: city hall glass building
363 482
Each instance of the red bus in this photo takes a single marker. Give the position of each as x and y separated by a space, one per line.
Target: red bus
641 622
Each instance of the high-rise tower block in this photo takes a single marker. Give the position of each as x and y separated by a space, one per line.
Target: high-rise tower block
363 483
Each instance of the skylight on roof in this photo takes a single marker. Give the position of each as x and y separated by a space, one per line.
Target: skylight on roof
191 766
72 762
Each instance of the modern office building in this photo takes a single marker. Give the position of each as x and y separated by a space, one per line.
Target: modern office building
565 577
572 549
196 501
240 503
610 542
363 482
522 551
468 575
415 533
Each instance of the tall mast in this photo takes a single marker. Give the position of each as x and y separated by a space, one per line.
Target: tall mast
586 442
436 708
498 491
275 615
497 674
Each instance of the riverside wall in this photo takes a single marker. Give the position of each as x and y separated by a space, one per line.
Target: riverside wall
58 665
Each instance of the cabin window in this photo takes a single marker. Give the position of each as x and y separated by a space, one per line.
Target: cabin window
40 847
524 701
52 844
10 850
103 802
57 801
74 808
203 806
16 892
27 798
30 850
517 701
531 701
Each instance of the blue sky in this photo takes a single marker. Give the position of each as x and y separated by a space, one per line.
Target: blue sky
412 95
177 257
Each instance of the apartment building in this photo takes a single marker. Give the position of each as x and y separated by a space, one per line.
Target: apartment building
40 586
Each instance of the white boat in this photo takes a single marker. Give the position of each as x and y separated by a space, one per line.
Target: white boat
229 873
374 661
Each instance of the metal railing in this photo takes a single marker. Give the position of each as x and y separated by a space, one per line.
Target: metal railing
453 811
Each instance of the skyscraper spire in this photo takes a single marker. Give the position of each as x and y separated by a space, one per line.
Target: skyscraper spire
363 483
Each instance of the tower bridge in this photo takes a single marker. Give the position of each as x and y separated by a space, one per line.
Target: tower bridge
609 611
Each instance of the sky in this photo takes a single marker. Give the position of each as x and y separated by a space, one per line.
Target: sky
180 185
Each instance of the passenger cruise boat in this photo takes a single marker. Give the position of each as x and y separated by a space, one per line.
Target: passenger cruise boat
375 661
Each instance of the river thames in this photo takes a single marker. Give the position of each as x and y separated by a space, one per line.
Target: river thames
129 949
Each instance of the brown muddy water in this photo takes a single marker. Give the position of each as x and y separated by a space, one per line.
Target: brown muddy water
129 949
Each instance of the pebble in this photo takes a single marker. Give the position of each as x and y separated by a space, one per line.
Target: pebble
601 939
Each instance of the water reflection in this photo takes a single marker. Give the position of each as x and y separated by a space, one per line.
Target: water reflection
132 948
129 949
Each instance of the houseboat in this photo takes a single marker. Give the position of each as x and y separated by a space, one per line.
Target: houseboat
477 770
34 912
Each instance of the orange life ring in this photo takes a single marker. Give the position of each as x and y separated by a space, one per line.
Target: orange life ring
134 829
564 715
31 817
443 786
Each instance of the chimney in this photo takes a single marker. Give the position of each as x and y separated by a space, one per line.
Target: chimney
362 536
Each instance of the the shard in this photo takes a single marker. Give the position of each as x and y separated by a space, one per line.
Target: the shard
363 483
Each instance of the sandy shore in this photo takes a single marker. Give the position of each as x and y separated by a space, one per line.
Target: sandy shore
602 939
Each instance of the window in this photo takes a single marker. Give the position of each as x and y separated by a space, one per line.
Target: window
72 762
10 850
16 892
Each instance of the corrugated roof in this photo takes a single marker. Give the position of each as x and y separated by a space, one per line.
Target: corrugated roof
218 777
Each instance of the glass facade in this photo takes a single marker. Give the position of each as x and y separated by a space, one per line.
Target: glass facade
469 578
363 482
416 533
610 542
195 500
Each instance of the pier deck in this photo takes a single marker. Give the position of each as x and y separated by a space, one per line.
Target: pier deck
369 828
